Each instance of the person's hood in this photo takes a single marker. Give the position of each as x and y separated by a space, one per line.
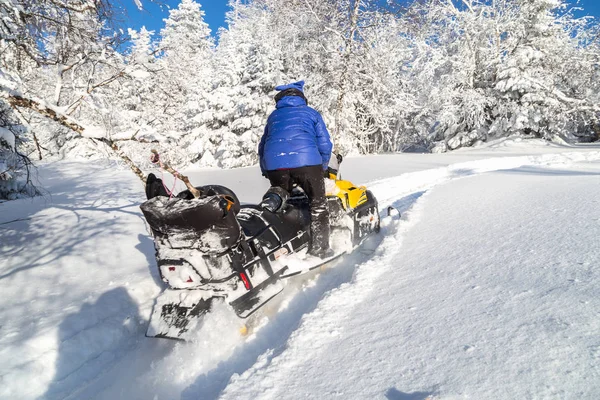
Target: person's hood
290 101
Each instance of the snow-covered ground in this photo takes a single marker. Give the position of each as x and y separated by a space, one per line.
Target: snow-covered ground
488 288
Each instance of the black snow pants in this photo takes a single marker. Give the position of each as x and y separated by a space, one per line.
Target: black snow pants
311 180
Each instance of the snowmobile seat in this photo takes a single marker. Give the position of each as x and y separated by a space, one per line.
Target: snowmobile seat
214 190
198 223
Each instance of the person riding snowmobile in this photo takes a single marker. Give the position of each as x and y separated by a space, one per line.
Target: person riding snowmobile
295 149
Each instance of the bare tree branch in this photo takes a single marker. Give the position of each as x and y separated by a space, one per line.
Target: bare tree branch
16 100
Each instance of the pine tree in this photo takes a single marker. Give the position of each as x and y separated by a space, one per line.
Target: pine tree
187 49
137 97
247 65
537 97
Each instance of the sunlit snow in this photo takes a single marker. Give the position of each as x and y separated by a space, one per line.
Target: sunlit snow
487 288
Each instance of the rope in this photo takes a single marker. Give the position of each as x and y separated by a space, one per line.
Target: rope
155 159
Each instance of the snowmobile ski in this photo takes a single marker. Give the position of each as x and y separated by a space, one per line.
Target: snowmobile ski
247 304
320 264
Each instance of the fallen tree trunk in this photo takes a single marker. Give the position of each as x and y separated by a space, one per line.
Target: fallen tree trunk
16 100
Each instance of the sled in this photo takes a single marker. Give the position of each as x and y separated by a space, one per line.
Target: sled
213 250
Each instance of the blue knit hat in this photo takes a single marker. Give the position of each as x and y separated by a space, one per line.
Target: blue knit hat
296 85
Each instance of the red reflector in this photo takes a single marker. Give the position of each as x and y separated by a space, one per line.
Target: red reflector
171 268
245 280
189 279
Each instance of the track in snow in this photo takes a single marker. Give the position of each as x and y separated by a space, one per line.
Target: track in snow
316 312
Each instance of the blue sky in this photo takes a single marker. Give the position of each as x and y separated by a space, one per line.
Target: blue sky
591 7
214 13
152 16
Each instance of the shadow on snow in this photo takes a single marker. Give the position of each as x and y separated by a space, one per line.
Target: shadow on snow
92 339
38 235
395 394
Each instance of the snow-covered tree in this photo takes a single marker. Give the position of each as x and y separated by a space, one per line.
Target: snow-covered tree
545 75
491 69
453 61
15 167
439 74
58 61
185 66
247 66
350 53
136 97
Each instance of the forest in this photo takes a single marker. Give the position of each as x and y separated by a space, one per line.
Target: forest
427 75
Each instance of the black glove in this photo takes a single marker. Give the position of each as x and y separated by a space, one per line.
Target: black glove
330 171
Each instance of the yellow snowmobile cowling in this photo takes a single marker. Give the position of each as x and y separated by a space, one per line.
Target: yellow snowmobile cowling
352 209
350 195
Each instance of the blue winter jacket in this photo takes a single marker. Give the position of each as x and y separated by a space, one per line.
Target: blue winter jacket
295 136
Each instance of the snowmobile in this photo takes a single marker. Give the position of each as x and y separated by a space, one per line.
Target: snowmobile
213 249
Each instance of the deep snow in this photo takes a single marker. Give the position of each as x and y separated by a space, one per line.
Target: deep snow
487 288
